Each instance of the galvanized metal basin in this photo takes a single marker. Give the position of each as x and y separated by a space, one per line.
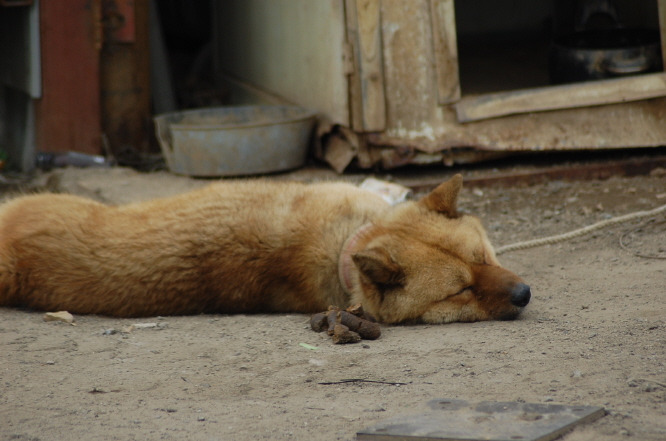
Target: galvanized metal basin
234 141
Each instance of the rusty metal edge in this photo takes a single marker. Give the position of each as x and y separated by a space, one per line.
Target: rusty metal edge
606 170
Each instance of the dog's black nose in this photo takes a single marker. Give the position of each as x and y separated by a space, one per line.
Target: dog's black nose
520 295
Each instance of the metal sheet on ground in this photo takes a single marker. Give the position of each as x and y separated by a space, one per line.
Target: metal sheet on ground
458 420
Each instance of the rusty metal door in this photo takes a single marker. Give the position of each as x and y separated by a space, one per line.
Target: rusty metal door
67 115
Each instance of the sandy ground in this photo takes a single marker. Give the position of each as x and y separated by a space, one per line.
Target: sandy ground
594 334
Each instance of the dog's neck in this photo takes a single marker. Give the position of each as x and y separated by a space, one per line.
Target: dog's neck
347 272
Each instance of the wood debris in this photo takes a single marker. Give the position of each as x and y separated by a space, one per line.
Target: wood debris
60 316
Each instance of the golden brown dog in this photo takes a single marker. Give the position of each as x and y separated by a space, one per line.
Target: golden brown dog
255 246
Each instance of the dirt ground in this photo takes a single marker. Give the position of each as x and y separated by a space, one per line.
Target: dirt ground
594 334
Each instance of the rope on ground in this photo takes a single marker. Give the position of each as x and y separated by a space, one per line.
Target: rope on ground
579 232
636 253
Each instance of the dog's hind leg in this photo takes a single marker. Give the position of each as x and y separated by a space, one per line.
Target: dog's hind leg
34 241
8 283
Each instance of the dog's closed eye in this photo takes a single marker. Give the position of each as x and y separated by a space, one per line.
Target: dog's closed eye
465 290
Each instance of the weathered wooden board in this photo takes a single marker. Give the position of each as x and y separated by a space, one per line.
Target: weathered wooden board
662 27
364 34
409 75
445 49
354 84
474 108
125 79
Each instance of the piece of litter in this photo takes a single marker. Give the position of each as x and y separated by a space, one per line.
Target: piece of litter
151 325
307 346
144 325
389 191
60 316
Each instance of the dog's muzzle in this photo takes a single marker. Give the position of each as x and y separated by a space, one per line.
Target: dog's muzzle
521 295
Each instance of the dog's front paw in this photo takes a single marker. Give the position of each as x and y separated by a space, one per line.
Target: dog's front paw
346 326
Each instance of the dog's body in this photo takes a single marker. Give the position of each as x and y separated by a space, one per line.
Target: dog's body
255 246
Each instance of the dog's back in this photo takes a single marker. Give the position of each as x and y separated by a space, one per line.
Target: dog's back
230 247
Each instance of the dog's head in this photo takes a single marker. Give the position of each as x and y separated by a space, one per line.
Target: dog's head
425 262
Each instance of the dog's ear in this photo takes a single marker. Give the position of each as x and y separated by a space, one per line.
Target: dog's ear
444 198
378 266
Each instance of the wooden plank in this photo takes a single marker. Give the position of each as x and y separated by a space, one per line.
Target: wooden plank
445 49
68 114
595 93
662 28
409 68
370 64
354 91
125 81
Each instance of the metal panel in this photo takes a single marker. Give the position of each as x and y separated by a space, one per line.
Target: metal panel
68 114
458 420
19 49
292 48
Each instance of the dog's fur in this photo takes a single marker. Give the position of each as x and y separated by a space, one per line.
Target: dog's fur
255 246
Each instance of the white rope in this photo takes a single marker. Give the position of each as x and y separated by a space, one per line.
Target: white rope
579 232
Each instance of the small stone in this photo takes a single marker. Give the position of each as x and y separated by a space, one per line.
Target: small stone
649 387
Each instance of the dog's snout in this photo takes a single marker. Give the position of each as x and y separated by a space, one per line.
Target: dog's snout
520 295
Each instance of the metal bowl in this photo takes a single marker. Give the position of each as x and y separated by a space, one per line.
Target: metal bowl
600 54
235 141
